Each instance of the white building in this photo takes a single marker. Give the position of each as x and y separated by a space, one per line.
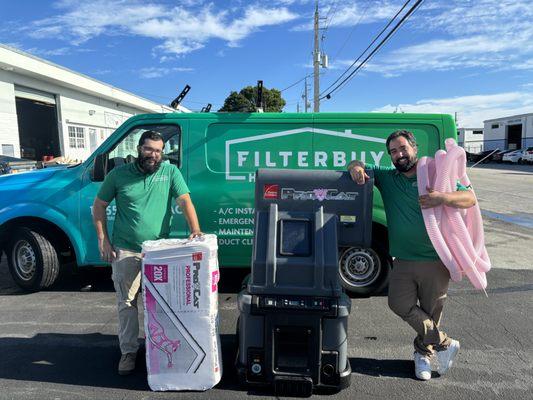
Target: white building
471 139
514 132
49 110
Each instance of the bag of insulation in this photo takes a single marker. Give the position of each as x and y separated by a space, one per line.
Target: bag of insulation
180 294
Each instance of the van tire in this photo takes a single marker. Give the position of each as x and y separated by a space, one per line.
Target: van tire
363 271
32 260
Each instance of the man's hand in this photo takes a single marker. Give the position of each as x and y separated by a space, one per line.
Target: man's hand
195 234
107 252
432 199
357 172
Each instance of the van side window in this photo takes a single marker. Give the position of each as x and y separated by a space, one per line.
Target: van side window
172 150
125 151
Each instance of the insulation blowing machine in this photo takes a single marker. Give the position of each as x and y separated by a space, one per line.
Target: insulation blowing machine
293 323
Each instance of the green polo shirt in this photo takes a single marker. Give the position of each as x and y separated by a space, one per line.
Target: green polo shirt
408 238
143 202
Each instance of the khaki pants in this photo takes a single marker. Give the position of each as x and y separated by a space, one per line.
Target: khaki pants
127 281
417 292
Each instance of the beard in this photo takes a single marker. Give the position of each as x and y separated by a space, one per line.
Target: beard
148 164
405 164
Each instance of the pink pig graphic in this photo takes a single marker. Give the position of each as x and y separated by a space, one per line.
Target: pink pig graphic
158 339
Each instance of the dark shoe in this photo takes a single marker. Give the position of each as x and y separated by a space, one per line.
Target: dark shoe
126 364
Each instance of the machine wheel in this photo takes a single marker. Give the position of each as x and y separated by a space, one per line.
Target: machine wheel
363 271
32 260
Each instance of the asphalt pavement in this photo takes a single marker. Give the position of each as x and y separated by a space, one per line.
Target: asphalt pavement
62 344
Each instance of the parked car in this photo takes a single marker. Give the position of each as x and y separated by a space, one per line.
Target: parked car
513 157
484 156
11 165
498 156
527 155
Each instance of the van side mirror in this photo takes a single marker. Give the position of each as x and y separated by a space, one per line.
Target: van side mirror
99 168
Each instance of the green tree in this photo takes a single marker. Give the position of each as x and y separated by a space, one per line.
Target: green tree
245 100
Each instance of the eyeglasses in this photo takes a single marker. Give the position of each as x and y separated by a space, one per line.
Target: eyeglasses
150 150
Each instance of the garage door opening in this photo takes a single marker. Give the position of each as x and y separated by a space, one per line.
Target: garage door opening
514 136
38 129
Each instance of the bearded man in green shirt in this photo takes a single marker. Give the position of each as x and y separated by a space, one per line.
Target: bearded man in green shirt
143 193
419 281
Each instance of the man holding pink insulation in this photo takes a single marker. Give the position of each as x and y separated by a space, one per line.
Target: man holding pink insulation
419 281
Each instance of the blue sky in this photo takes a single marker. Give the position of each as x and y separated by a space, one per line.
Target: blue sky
470 57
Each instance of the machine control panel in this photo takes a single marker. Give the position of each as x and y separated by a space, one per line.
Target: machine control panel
295 303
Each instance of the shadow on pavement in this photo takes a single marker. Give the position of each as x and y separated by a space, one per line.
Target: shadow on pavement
71 279
87 360
98 279
389 368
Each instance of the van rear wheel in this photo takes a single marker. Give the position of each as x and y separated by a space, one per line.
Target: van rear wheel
32 260
363 271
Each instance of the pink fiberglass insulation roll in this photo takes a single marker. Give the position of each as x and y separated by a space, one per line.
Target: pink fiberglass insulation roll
457 234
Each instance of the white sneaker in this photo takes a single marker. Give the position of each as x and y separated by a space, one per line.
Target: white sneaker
422 367
447 356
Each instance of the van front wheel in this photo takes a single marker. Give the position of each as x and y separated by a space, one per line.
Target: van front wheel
32 260
363 271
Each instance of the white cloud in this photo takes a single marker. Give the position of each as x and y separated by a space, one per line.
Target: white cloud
352 13
52 52
178 46
471 110
45 31
102 72
180 29
482 34
42 52
155 72
82 21
337 64
164 59
185 31
291 2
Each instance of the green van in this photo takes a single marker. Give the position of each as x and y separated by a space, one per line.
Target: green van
45 215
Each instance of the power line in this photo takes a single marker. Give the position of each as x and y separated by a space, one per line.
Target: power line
333 8
369 46
378 47
297 82
336 5
353 29
389 35
292 102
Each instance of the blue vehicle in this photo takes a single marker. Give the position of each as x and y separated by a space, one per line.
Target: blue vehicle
45 215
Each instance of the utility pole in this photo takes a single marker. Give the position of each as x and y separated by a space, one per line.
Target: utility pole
298 107
316 65
306 103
